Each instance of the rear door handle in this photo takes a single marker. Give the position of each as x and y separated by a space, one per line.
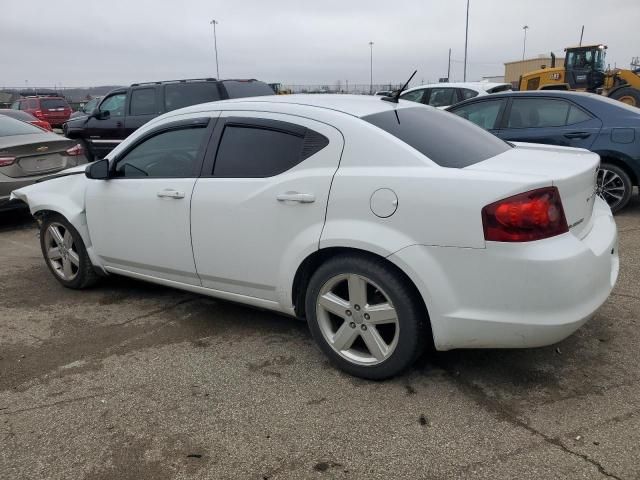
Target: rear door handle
169 193
296 197
577 135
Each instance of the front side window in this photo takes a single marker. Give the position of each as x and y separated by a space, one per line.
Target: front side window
90 105
437 135
143 101
484 114
252 152
170 154
442 97
114 104
538 113
413 96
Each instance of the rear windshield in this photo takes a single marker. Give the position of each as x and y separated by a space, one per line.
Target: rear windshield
11 126
240 88
446 139
48 103
20 115
178 95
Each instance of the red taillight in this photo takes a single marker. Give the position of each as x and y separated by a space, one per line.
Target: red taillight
6 161
42 124
75 150
38 114
525 217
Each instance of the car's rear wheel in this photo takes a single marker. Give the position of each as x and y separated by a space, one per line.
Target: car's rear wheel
614 186
65 253
365 317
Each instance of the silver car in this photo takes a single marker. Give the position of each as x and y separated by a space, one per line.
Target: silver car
28 153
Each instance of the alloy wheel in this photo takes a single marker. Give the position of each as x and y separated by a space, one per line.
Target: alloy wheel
357 319
61 251
610 187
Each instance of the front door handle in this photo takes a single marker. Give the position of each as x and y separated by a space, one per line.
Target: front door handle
577 135
169 193
296 197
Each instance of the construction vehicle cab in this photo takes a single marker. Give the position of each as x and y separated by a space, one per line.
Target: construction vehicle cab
585 67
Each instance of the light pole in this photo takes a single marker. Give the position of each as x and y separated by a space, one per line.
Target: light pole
524 45
466 42
215 45
371 69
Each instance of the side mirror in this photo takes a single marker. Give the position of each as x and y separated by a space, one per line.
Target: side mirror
101 115
98 170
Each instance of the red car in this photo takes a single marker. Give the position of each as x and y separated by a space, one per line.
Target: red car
54 110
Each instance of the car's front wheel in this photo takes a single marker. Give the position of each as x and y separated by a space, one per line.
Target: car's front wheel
65 253
365 316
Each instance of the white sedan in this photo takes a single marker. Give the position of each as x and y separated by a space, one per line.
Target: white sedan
390 227
443 95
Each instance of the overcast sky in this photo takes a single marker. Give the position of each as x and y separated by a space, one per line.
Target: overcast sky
88 43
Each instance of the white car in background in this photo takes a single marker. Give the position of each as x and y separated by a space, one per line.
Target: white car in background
389 226
442 95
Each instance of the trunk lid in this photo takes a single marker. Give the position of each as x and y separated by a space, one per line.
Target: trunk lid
573 171
36 154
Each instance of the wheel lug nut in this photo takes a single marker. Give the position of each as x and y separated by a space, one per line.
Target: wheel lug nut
363 327
357 307
366 316
348 312
352 325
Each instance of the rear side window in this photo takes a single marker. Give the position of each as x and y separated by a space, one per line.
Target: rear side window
543 113
11 126
31 105
243 88
179 95
467 93
143 101
256 152
446 139
52 103
442 97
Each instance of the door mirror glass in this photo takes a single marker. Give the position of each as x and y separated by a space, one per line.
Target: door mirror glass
98 170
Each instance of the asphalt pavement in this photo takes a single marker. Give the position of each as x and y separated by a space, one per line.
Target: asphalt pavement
135 381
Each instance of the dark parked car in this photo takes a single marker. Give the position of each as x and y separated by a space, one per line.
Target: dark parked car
124 110
52 109
87 108
25 117
585 120
28 153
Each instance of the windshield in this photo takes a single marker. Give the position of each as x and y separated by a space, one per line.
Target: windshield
10 126
593 59
443 137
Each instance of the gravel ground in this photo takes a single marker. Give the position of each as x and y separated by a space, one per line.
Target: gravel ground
135 381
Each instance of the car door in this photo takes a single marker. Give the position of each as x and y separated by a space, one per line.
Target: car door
260 204
105 130
484 113
138 219
144 105
552 121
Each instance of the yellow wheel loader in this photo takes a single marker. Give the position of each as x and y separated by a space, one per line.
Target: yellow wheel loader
584 71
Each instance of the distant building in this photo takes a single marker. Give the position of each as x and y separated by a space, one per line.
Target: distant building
513 70
493 78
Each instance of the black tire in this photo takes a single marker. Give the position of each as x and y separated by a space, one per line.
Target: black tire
628 95
413 321
85 275
88 153
625 183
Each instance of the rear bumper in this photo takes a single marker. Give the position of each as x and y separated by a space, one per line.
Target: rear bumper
515 295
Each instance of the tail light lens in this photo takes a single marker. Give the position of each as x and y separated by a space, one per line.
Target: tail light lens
6 161
525 217
38 114
42 124
75 150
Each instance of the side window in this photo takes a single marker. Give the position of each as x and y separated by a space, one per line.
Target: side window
466 93
114 104
413 96
31 105
257 152
15 105
538 113
484 114
442 97
170 154
576 115
178 95
143 102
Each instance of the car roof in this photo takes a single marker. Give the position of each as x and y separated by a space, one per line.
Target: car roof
478 86
355 105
